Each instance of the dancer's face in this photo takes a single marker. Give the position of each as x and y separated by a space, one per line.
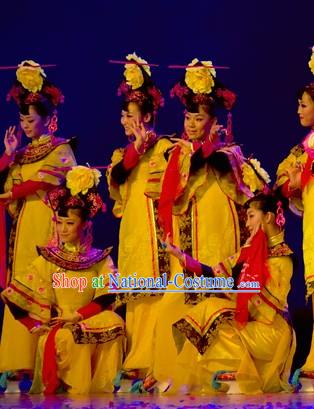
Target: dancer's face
133 117
197 125
33 124
255 218
306 110
70 228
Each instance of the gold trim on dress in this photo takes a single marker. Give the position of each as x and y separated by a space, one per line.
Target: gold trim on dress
73 261
95 336
277 247
202 342
31 153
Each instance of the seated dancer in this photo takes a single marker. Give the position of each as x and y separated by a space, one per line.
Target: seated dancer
244 333
63 297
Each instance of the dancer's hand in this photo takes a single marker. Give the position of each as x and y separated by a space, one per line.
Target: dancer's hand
11 141
253 232
6 196
185 146
66 317
40 330
140 133
172 249
214 132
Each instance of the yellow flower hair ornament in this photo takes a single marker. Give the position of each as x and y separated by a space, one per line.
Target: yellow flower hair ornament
78 192
199 76
254 176
133 71
200 86
138 86
81 178
30 75
32 86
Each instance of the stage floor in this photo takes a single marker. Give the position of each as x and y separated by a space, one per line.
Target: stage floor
131 401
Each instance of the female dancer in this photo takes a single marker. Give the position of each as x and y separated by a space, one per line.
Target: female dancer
63 297
134 181
32 171
207 180
245 333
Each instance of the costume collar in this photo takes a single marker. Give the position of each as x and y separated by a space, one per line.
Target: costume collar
71 248
277 239
277 246
42 140
38 149
73 260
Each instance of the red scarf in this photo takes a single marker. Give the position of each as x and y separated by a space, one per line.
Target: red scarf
169 192
255 268
307 171
50 369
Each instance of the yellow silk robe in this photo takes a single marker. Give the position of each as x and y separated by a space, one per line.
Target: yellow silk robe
140 251
260 354
89 353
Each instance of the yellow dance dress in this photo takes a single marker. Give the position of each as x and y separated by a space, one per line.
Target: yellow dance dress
88 353
43 160
140 252
301 203
209 339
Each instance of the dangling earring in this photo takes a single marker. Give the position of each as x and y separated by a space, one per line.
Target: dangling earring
53 124
280 218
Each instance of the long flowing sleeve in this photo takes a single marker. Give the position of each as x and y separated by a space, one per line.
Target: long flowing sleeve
297 154
5 161
32 291
122 169
37 177
55 166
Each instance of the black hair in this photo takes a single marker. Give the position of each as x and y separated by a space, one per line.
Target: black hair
43 108
68 202
192 106
145 107
309 89
88 205
63 211
268 202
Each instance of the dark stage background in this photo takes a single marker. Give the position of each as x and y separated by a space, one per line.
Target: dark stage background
266 44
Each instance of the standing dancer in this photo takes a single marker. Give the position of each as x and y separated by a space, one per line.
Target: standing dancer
207 180
32 171
134 179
